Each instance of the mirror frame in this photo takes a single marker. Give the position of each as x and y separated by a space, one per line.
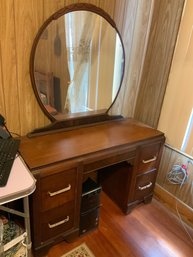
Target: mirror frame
73 120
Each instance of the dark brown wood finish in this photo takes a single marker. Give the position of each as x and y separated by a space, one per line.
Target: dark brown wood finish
59 146
50 205
150 230
60 161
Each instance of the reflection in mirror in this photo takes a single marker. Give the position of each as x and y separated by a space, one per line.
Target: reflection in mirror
78 65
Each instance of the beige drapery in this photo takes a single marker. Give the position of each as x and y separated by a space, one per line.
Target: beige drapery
135 32
92 47
80 49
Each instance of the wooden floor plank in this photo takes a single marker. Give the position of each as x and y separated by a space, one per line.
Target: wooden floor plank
149 230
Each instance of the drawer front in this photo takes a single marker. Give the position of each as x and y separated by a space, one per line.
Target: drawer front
145 184
58 189
102 160
57 221
148 157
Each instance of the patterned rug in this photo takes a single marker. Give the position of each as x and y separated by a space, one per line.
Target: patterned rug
80 251
10 231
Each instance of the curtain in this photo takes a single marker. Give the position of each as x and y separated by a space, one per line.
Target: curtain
79 47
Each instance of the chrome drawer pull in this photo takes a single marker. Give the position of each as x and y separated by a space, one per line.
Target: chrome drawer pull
60 191
58 223
144 187
150 160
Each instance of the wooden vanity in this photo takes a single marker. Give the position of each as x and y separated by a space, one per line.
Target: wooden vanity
80 81
124 153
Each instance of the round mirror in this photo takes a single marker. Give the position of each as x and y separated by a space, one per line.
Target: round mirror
77 63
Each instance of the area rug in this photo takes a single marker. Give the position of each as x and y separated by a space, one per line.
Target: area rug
80 251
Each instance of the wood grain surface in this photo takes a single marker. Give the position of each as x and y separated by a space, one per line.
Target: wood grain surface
150 230
182 192
162 39
20 21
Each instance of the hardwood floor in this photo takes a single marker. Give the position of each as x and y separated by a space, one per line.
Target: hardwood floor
150 230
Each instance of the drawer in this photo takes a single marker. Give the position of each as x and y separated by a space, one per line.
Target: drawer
58 189
148 157
102 160
145 184
57 221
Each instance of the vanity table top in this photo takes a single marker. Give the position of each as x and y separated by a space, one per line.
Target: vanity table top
43 150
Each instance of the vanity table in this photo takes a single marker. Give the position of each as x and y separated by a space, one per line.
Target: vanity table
60 161
76 82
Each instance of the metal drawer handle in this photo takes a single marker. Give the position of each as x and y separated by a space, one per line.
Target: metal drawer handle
144 187
150 160
58 223
60 191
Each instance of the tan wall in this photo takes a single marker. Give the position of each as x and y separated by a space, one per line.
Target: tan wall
177 106
162 39
19 23
182 192
178 101
142 37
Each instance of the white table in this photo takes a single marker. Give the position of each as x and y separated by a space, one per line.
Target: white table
20 185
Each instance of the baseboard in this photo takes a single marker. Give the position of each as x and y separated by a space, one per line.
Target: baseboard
171 202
